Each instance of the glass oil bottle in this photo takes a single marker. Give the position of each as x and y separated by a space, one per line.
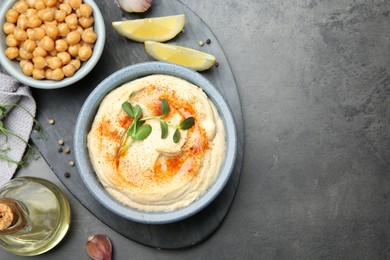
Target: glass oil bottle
34 216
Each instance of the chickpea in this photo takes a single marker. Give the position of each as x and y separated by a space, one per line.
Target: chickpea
53 62
21 6
64 57
51 3
85 10
11 41
11 15
66 8
85 52
29 45
71 21
60 16
27 67
39 62
34 21
75 63
73 38
39 52
75 4
39 5
63 29
57 74
38 74
79 29
31 11
86 22
12 53
25 55
74 49
22 22
20 34
46 14
69 70
52 31
47 43
8 28
31 3
39 34
89 36
61 45
48 73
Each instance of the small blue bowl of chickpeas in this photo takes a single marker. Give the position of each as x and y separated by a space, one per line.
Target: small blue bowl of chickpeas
50 44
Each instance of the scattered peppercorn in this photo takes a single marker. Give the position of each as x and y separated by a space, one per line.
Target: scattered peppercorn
67 174
60 150
201 43
67 150
51 121
208 41
216 63
71 163
61 142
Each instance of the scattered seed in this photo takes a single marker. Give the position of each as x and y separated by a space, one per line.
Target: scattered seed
67 174
51 121
60 150
61 142
67 150
201 43
71 163
208 41
216 63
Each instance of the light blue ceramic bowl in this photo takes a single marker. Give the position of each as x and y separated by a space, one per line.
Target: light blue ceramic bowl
13 68
87 114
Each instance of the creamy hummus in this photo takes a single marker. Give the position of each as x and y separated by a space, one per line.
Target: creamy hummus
157 174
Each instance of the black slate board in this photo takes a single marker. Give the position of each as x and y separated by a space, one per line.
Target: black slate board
63 105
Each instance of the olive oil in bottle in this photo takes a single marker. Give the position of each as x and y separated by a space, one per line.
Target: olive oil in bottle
34 216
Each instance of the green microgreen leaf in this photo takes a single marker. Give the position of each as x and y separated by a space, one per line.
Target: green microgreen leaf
176 136
137 112
2 110
1 124
186 123
164 107
143 132
128 108
134 127
164 129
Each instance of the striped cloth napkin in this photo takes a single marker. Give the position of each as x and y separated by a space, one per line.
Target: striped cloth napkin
15 120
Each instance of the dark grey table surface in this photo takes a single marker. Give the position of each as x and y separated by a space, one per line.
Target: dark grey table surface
314 81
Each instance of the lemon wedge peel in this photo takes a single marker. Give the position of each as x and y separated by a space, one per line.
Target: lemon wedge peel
158 29
184 56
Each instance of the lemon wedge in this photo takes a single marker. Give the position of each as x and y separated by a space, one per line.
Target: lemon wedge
187 57
159 29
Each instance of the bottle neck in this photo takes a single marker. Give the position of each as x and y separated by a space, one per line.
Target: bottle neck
13 216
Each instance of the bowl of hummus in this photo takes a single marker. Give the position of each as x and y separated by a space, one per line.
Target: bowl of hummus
155 143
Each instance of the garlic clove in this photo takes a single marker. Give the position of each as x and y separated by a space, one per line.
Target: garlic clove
99 247
135 6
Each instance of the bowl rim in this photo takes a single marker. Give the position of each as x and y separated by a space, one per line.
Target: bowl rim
14 70
87 115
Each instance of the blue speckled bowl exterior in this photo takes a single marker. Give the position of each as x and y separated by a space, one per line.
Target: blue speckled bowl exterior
13 68
86 117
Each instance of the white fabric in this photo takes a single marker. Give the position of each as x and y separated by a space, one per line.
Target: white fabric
16 120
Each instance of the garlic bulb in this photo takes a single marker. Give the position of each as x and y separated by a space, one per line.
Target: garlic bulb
135 6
